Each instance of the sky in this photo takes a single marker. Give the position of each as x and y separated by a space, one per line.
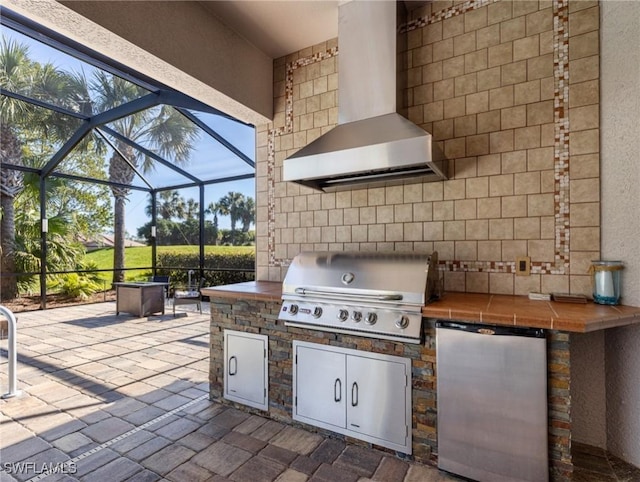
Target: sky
135 212
209 159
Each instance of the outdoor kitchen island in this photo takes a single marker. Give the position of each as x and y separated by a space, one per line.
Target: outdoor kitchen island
252 308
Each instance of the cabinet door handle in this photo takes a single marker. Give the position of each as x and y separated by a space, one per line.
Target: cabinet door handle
354 394
337 390
235 365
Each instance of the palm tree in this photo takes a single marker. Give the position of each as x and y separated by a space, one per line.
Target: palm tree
10 187
19 74
162 129
214 208
14 64
192 209
171 205
247 213
229 205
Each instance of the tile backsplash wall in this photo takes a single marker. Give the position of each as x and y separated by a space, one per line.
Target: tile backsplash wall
510 90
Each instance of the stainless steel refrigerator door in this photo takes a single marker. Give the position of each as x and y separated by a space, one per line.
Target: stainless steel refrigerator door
492 406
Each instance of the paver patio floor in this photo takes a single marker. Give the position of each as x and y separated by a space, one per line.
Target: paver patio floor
115 398
119 398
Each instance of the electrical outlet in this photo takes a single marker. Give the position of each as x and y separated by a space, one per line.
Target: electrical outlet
523 266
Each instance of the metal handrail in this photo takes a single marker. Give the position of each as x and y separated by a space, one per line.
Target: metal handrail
12 353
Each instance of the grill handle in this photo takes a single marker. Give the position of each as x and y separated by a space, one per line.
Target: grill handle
337 294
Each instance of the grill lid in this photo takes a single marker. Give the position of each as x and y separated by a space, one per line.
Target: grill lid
388 278
378 295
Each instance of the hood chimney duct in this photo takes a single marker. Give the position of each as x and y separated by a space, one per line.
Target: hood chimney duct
372 145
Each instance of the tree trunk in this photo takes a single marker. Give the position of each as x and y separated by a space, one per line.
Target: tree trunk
118 239
119 171
8 283
10 187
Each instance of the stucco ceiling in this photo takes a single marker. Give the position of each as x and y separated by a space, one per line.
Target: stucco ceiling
279 27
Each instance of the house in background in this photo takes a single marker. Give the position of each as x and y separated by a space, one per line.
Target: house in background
106 241
557 179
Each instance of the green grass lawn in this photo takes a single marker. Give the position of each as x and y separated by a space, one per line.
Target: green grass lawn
141 257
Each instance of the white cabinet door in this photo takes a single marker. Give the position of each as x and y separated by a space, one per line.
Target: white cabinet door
377 398
245 368
360 394
319 387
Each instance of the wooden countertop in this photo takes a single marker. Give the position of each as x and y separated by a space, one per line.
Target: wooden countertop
480 308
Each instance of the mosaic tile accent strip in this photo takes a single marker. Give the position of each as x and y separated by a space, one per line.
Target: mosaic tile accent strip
561 134
271 152
444 14
560 265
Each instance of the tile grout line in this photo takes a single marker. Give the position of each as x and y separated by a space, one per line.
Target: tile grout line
121 437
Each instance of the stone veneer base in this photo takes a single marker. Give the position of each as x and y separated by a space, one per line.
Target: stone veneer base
258 316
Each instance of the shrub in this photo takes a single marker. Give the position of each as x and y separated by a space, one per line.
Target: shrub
76 286
225 266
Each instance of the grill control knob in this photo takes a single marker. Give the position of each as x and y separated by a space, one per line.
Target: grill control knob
356 316
293 309
371 319
402 322
343 315
317 312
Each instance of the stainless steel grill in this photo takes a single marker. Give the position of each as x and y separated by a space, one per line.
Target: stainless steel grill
378 295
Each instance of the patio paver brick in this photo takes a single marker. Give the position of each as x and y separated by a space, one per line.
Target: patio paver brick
107 429
177 429
250 425
360 460
329 473
390 470
124 407
168 458
42 459
230 418
63 429
278 454
144 476
244 442
154 396
73 441
196 441
305 464
291 475
222 458
328 450
97 460
298 440
148 448
214 431
24 450
133 441
143 415
258 469
117 470
189 472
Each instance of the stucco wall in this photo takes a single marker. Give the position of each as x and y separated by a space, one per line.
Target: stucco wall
620 187
176 43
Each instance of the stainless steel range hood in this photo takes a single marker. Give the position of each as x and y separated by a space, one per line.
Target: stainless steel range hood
372 145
